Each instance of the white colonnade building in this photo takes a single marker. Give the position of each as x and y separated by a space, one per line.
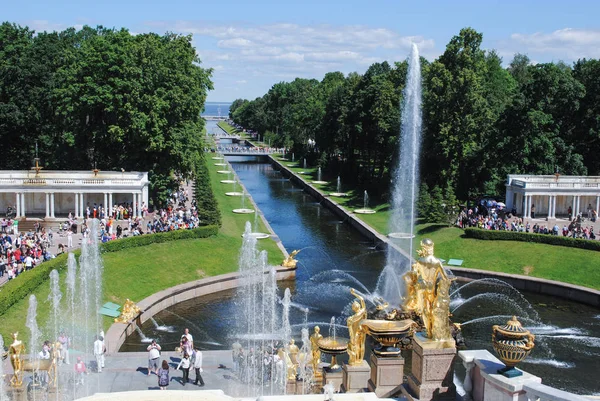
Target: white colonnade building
552 195
52 194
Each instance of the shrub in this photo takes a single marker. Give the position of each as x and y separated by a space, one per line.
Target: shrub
143 240
24 285
478 233
208 208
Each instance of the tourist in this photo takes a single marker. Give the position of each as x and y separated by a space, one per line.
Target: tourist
99 351
187 335
235 354
185 345
153 357
80 370
65 343
163 375
69 239
184 365
197 363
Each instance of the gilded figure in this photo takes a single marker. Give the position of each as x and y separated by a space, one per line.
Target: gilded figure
427 293
315 351
15 350
290 261
356 343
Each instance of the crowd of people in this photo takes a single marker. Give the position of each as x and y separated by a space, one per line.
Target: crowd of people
262 365
496 220
23 251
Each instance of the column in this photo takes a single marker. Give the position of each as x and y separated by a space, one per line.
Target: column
23 204
554 206
52 205
18 211
47 205
81 208
576 208
549 207
509 199
76 205
597 205
527 204
110 204
139 209
105 205
134 206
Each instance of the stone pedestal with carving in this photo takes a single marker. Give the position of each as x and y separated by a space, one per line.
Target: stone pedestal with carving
432 370
387 375
355 378
336 378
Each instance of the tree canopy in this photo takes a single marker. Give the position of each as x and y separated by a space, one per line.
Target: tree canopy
482 120
102 97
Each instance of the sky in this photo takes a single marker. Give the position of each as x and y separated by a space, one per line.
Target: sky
251 45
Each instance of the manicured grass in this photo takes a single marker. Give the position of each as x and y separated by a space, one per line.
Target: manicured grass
569 265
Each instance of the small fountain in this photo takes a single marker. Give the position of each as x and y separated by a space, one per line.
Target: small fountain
338 189
305 373
228 180
319 181
54 297
243 209
255 233
35 334
219 157
235 192
365 209
223 171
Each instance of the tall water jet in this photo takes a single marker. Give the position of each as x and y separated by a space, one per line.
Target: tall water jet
54 297
405 181
304 164
31 323
3 394
338 187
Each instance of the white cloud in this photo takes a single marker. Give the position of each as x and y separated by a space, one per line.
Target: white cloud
241 81
568 44
272 52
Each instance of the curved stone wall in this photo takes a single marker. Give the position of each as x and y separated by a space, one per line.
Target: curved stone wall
118 332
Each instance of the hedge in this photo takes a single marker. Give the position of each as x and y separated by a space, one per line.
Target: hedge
20 288
208 208
479 233
143 240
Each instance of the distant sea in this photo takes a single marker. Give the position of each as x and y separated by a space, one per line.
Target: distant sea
216 109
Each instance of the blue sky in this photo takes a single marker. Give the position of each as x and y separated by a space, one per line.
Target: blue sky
253 44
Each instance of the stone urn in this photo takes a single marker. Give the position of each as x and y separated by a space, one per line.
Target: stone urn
512 343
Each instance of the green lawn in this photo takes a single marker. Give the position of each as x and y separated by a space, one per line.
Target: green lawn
570 265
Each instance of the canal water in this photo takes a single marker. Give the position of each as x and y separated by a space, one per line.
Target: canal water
334 258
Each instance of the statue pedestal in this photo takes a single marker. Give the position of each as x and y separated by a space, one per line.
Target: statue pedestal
387 375
355 378
291 387
432 370
336 378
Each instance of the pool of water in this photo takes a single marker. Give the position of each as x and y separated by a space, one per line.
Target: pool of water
335 258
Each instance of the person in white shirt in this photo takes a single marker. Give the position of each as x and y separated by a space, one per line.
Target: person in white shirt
28 263
69 239
187 335
184 364
197 363
99 353
153 357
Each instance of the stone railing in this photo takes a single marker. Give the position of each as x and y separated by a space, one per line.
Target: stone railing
483 383
70 182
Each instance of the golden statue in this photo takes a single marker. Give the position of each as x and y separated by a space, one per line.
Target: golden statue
294 350
315 351
427 293
291 369
290 261
356 335
130 311
15 350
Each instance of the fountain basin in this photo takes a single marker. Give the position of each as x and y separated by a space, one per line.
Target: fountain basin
292 165
338 194
365 211
401 235
391 335
243 211
302 172
220 164
258 235
217 158
228 181
223 171
234 193
319 182
334 347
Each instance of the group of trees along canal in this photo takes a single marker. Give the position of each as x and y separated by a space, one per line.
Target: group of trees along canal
102 97
482 121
